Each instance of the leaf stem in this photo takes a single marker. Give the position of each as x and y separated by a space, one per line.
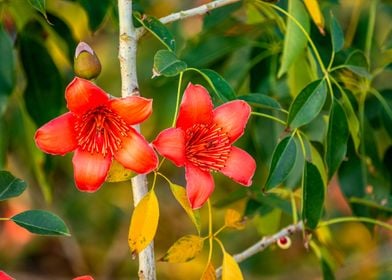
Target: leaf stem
210 235
370 30
178 98
4 219
355 219
268 117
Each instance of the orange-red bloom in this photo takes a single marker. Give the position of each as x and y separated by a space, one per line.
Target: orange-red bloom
5 276
202 142
98 129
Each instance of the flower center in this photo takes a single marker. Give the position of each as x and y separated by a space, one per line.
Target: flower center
207 146
100 131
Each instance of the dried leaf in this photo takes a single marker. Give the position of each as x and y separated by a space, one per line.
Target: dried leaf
119 173
180 195
233 219
144 223
184 249
313 8
209 273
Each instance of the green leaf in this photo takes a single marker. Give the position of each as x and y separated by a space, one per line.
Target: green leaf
283 159
10 186
353 122
307 105
261 100
40 6
41 222
159 30
294 41
221 87
358 64
7 69
337 136
96 11
337 35
167 64
44 94
313 193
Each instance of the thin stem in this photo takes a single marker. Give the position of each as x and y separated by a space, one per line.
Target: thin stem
293 207
164 177
178 99
210 235
4 219
355 219
269 117
301 142
384 103
263 244
219 230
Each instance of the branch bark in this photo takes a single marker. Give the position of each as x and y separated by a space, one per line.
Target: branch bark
263 244
129 86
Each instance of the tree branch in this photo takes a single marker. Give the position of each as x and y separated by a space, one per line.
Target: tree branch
263 244
129 86
200 10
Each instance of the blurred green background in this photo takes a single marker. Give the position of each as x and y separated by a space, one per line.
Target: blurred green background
244 45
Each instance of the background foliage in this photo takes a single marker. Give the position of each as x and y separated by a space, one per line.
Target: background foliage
333 95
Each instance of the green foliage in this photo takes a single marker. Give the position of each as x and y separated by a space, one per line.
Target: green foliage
7 69
167 64
41 222
10 186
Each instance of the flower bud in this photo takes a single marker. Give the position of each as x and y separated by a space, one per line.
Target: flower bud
86 62
284 242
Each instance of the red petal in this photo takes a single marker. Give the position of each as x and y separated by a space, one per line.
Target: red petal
84 277
170 143
232 117
136 154
199 187
240 166
132 109
196 107
5 276
57 136
83 95
90 170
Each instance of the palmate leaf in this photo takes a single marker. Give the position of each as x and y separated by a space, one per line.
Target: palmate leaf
313 8
10 186
261 100
41 222
221 87
39 5
144 223
336 34
184 249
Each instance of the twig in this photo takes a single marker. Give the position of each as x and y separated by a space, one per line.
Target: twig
201 10
262 244
127 57
197 11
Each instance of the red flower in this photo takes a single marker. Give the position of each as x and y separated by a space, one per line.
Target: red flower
84 277
98 128
202 142
5 276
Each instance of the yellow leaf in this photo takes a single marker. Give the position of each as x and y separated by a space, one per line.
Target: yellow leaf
315 12
233 219
144 223
119 173
184 249
230 268
180 195
209 273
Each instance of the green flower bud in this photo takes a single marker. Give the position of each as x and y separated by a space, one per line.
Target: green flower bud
86 62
